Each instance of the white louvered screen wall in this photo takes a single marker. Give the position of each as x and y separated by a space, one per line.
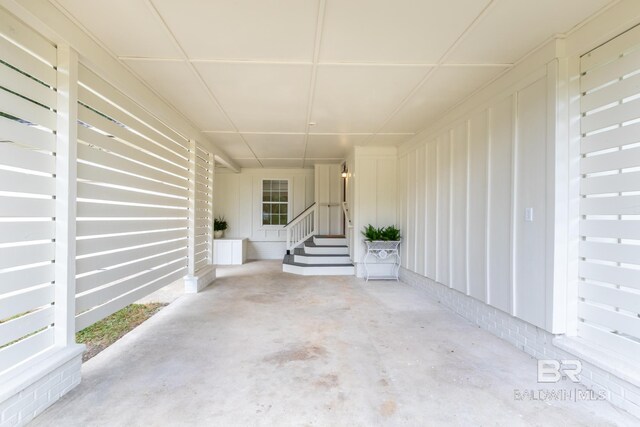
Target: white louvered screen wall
27 189
609 290
203 209
132 201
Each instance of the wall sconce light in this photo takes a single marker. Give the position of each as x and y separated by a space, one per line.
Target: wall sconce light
344 171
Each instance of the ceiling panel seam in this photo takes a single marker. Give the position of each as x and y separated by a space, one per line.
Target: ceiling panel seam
195 72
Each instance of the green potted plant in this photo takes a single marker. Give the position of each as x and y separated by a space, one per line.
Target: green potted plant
219 226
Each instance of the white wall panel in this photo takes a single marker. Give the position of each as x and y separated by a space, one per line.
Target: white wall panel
478 209
443 220
431 211
459 171
421 217
500 188
238 198
530 181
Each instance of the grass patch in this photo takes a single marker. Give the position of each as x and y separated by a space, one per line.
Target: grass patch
102 334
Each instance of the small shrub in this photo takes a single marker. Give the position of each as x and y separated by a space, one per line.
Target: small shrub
390 233
219 224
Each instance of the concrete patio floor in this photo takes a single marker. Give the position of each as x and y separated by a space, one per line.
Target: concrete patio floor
262 347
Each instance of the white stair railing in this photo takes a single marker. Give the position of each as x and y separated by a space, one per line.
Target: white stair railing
302 227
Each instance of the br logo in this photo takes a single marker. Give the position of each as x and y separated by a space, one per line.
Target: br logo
552 371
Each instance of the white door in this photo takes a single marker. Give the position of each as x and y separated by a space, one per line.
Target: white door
328 183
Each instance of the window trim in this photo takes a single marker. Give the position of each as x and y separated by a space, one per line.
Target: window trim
289 205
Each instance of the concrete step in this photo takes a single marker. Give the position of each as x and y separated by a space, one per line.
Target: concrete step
290 266
311 248
329 240
301 257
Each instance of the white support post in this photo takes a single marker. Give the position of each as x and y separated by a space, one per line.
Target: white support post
66 179
192 209
212 172
195 281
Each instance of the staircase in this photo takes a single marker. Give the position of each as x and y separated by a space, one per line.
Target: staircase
320 256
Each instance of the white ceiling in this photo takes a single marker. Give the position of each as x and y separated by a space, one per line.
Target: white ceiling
290 83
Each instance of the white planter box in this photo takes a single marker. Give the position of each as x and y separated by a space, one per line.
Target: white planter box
229 251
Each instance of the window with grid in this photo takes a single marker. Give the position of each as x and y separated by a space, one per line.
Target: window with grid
275 202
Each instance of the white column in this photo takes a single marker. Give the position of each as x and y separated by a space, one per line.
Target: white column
66 178
212 171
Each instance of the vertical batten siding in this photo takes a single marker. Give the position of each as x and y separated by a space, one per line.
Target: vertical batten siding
467 190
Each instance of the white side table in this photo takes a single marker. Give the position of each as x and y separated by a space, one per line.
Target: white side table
229 251
383 250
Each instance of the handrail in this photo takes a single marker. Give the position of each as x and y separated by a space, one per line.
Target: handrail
345 209
300 214
302 227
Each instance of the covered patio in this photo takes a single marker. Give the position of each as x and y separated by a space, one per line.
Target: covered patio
273 348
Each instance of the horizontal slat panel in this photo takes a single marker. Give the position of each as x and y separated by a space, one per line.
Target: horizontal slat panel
101 210
103 244
611 50
134 153
99 122
621 205
614 297
612 71
611 319
100 175
20 133
26 301
21 207
28 347
94 228
104 295
26 183
610 274
90 79
98 262
15 232
607 339
24 325
101 278
26 110
202 238
98 192
103 158
201 264
609 94
611 161
164 145
23 61
24 255
24 158
622 182
611 139
89 317
18 280
628 254
27 87
24 35
611 116
619 229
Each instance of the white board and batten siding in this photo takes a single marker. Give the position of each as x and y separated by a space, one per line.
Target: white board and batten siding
239 199
133 204
609 269
28 121
464 192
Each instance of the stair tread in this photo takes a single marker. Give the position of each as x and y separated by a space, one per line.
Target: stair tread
301 252
288 259
328 236
310 243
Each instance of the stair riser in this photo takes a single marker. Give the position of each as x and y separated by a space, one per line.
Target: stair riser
322 260
319 271
326 250
325 241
